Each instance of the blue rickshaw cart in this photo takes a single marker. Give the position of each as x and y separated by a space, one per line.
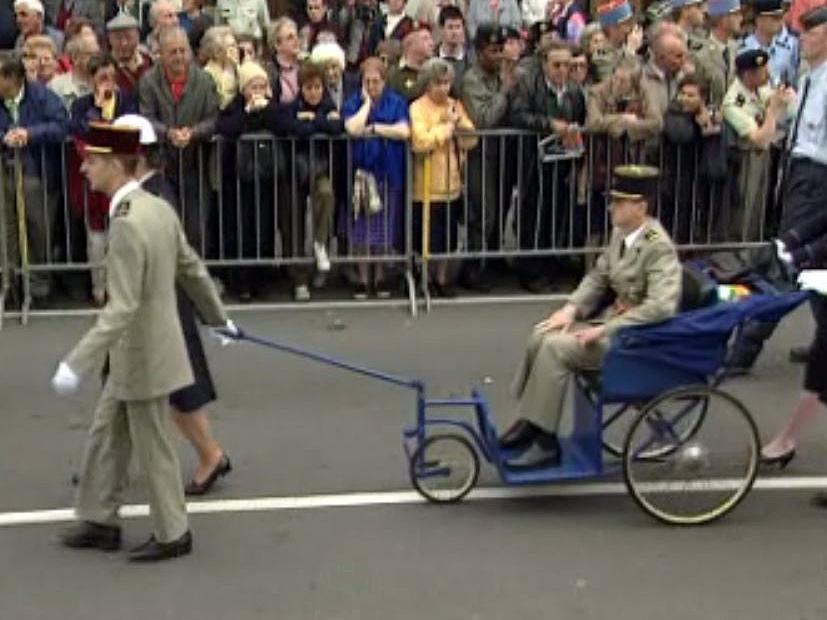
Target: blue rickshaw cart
688 451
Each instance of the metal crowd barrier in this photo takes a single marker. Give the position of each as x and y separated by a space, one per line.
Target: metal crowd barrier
249 204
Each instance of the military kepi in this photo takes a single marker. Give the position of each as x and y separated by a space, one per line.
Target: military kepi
614 12
768 7
751 59
634 182
716 8
106 139
814 17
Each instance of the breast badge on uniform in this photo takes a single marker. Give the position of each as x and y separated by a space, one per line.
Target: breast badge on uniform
651 235
122 209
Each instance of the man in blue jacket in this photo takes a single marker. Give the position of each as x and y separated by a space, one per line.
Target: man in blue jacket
33 125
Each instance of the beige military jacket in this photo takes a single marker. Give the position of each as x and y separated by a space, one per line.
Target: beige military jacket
139 327
645 281
744 110
605 59
711 69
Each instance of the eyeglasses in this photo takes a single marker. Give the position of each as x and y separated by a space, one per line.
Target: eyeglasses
578 65
559 64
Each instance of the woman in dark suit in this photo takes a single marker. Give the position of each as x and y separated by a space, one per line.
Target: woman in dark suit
187 404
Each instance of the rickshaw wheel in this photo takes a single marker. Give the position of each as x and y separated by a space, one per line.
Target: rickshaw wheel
617 425
444 468
696 478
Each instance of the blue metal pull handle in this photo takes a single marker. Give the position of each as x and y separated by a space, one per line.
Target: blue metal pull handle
413 384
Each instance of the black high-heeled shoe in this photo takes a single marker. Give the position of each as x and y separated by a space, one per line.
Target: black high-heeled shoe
781 460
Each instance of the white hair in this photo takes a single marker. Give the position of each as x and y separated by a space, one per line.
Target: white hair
325 52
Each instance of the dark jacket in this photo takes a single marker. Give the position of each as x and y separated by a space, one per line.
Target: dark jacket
42 114
83 111
533 104
249 158
312 156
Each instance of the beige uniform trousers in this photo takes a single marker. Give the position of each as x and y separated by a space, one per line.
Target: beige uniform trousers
543 374
117 428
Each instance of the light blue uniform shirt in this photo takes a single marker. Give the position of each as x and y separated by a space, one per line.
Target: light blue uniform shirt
783 53
811 139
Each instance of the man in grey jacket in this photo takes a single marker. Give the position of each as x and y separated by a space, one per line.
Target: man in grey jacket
485 89
181 101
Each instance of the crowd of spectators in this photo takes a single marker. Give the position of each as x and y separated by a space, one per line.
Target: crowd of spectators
663 82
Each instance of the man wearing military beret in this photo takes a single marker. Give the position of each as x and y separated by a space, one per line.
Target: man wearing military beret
417 47
640 269
617 21
714 60
753 109
771 35
139 332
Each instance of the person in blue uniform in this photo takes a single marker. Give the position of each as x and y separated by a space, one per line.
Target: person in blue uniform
804 192
772 36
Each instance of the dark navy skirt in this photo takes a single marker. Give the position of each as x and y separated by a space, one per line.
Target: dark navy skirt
202 391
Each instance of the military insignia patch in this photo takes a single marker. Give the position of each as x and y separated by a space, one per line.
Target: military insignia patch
740 100
122 210
651 235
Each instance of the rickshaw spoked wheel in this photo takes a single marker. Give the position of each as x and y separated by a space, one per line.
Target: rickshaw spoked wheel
444 468
616 427
697 477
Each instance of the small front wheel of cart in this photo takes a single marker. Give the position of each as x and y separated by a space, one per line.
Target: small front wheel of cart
695 478
444 468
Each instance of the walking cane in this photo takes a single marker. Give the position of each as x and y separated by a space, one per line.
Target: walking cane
426 227
5 275
22 238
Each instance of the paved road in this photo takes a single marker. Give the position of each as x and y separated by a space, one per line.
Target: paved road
294 428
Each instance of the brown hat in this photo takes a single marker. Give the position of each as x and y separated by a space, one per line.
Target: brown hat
106 139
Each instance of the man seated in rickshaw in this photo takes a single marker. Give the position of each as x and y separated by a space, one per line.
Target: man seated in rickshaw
637 279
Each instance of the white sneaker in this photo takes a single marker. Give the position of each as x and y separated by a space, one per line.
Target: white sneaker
301 293
322 260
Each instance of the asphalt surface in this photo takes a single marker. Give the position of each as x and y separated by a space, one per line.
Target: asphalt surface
296 428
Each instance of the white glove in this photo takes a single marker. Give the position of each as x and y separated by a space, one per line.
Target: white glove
226 335
781 252
65 381
813 280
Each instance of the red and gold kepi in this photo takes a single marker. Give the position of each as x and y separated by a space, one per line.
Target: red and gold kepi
106 139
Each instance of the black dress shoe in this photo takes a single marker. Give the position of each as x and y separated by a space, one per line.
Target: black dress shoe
88 535
544 452
819 499
782 460
800 355
533 285
519 435
223 468
154 551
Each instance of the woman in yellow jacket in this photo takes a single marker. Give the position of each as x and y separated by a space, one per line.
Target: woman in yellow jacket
440 134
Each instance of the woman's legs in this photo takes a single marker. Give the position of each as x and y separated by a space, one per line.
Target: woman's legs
785 440
196 428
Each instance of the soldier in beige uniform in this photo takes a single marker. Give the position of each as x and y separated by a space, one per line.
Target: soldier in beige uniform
753 109
617 21
140 332
714 60
641 269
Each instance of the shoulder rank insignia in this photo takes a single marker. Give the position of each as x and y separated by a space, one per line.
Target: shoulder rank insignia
123 209
740 100
651 235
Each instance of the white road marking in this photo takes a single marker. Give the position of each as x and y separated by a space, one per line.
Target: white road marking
321 305
386 498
